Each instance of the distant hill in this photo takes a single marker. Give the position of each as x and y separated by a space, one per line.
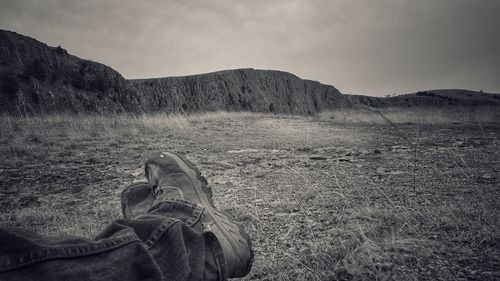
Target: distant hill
240 89
36 78
438 98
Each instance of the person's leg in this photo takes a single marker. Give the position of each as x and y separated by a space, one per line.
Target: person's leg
173 236
121 255
172 177
162 237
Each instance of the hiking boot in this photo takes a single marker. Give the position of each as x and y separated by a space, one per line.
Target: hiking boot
172 172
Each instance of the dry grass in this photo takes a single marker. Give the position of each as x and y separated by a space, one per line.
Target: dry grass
417 115
425 207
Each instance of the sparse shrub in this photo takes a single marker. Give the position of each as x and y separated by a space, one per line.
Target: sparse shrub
61 51
271 107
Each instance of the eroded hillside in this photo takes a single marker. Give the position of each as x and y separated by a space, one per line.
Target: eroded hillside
36 78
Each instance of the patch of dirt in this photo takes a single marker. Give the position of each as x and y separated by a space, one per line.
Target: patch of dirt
321 200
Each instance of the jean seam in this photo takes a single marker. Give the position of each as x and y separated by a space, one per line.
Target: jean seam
159 231
218 254
197 212
197 209
48 253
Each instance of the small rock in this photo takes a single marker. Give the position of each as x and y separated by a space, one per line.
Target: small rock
384 171
243 151
137 172
384 266
263 164
260 175
399 147
377 151
487 176
317 157
344 159
226 165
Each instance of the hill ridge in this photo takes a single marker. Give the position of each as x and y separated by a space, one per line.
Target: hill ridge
36 78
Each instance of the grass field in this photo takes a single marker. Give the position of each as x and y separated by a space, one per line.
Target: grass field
391 195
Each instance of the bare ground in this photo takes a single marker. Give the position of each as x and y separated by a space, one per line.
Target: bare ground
322 200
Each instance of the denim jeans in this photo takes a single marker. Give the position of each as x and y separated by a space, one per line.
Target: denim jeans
167 243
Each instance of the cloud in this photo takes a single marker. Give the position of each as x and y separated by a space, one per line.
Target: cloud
362 47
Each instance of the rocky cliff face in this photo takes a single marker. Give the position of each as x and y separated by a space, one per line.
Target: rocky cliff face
241 89
36 78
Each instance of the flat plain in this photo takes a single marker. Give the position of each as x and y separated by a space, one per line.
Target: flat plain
338 196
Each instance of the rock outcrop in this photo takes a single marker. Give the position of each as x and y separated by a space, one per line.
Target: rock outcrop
36 78
39 79
240 89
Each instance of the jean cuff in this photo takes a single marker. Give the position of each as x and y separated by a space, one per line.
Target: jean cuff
216 248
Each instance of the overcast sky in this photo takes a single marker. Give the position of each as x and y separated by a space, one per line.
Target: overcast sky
373 47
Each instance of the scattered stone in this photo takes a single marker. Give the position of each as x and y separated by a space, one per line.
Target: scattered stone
487 177
377 151
458 143
317 157
353 153
260 175
344 159
384 171
399 147
137 172
264 164
226 165
243 151
384 266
